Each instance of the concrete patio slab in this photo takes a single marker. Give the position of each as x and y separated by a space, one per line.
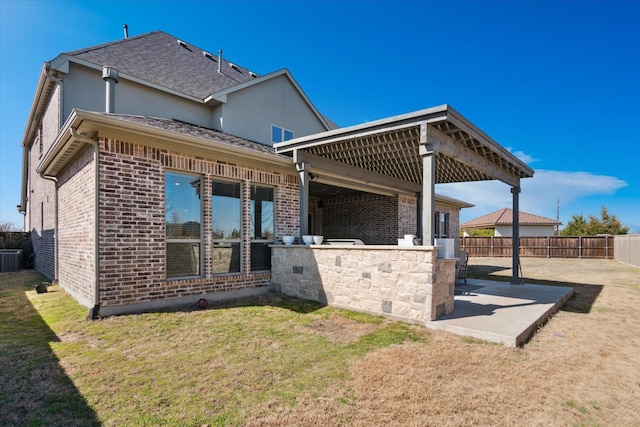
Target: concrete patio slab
501 312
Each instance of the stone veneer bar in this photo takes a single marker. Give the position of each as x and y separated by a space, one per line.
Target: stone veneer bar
404 283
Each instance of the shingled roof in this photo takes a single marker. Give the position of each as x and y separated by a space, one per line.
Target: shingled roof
167 61
189 129
505 217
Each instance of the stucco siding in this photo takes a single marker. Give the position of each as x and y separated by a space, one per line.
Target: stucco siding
85 90
273 102
526 231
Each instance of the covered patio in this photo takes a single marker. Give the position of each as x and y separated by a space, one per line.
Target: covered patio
401 156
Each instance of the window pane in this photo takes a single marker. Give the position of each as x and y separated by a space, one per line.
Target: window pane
276 134
226 257
262 218
225 210
183 259
260 256
288 135
182 213
226 227
182 224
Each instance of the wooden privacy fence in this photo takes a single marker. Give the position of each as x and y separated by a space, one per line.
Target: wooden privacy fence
541 247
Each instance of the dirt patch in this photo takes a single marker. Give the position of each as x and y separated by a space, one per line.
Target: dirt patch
340 329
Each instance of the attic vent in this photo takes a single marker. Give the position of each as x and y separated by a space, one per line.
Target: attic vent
234 66
208 55
252 74
181 43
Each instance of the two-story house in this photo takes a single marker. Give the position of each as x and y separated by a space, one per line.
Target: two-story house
156 172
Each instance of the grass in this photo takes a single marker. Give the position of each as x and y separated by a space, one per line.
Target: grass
214 367
278 361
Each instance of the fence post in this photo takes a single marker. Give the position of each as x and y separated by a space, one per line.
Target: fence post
579 247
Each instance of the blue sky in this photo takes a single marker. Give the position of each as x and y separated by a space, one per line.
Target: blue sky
555 82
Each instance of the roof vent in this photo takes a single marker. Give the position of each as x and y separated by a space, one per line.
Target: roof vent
208 55
252 74
181 43
234 66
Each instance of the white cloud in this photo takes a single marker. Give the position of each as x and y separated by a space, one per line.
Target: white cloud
539 194
521 155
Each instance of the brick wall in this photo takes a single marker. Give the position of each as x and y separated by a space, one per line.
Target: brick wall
132 225
76 229
369 217
41 194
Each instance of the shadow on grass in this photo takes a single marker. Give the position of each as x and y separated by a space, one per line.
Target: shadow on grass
35 389
271 299
584 295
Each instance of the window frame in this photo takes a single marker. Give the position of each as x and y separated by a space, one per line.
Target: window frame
282 134
438 233
199 241
221 242
255 240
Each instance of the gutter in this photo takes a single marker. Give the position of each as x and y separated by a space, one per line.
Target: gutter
94 312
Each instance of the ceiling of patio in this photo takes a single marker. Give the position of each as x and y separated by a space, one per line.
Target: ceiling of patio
392 147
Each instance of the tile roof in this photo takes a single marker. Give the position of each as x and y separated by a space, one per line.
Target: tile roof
159 58
189 129
505 217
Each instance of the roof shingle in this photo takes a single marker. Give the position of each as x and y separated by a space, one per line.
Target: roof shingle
159 58
505 217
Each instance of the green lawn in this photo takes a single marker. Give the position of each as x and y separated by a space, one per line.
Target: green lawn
185 367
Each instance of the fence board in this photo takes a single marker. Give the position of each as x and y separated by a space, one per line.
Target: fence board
541 247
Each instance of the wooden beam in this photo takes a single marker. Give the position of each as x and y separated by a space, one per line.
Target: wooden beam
444 144
342 172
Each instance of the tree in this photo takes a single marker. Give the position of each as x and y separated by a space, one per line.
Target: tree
7 226
606 224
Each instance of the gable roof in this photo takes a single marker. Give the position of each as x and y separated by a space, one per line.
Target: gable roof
505 217
166 61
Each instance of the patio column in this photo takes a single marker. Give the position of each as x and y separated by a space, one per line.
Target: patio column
515 259
428 193
303 171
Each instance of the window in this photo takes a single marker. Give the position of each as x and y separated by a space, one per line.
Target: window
262 225
226 223
279 134
183 225
441 225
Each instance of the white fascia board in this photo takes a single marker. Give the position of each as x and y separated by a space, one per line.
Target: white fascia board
446 200
464 124
427 115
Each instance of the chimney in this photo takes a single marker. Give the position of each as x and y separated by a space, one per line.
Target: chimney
125 27
219 60
110 76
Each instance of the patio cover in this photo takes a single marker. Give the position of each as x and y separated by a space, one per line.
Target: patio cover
406 154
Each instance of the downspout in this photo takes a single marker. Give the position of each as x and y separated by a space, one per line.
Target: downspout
94 312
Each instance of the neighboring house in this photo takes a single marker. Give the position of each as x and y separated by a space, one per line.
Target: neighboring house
155 172
501 221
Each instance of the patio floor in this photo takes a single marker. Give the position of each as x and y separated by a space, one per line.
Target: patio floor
501 312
